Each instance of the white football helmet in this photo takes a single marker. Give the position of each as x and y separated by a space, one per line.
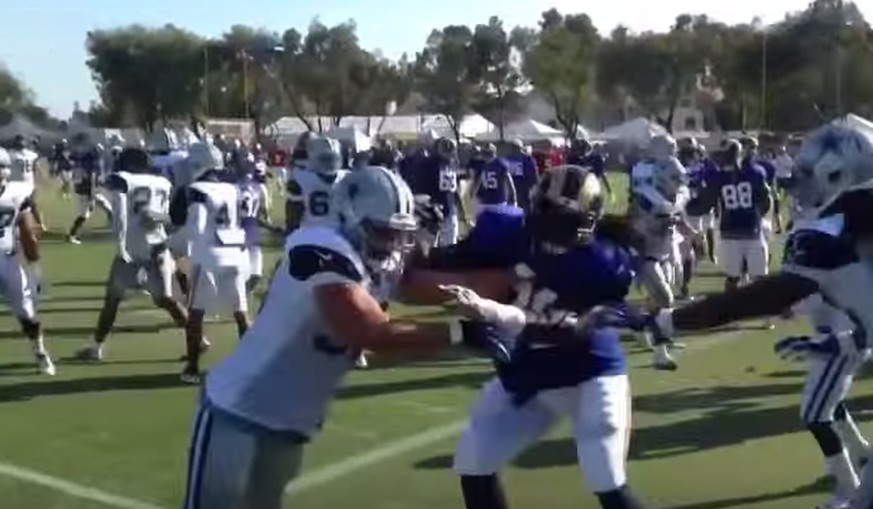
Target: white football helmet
203 157
831 160
324 154
669 177
5 165
376 212
662 147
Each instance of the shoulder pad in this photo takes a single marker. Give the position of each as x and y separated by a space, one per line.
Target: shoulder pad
116 182
818 249
307 260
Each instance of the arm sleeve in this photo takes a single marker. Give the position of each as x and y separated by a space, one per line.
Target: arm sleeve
119 206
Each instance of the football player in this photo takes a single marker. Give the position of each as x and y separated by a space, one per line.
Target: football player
442 168
165 153
15 212
88 161
660 148
62 167
700 171
523 169
253 203
826 253
658 215
742 197
583 153
265 401
141 201
559 261
209 211
309 189
23 170
492 184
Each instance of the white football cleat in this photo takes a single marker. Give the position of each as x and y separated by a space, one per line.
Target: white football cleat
90 353
361 361
837 502
662 360
72 239
44 364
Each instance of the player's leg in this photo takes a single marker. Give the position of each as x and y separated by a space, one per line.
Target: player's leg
231 282
204 295
731 261
827 384
661 296
14 285
256 267
159 284
710 238
29 240
122 276
86 206
37 212
449 234
178 243
499 429
232 468
601 425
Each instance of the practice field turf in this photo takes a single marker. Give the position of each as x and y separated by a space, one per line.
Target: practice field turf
722 432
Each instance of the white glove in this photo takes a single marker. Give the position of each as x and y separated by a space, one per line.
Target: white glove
468 304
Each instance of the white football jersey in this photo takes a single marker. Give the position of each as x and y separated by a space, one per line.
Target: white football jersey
23 165
655 218
221 242
14 199
287 368
147 209
314 191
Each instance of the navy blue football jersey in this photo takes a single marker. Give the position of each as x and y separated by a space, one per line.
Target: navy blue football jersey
598 273
742 198
493 182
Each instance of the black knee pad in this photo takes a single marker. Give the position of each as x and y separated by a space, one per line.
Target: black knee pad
619 498
828 440
482 492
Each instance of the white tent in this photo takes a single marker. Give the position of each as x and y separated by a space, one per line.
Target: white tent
352 137
856 122
528 131
471 126
638 131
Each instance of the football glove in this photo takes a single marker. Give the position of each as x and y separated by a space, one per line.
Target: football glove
801 348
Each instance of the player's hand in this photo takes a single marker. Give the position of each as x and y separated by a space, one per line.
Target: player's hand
477 337
801 348
125 256
464 302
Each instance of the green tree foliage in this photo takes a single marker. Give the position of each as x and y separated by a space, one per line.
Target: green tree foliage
560 62
443 74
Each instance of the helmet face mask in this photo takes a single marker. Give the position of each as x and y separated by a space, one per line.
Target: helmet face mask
830 161
376 213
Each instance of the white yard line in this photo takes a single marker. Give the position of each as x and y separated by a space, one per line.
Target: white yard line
382 453
72 489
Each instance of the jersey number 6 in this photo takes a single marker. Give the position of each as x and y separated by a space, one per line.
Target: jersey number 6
319 203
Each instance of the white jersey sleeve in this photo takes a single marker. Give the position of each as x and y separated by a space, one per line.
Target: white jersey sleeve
285 371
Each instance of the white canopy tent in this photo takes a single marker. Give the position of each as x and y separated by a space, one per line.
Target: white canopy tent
528 131
856 122
638 131
352 137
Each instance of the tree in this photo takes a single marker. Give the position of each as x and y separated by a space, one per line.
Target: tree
495 66
443 75
154 74
561 64
17 99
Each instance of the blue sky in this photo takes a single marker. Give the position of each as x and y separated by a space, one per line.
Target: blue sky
42 41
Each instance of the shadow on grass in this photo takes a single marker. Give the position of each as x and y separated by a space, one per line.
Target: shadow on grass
728 416
28 390
473 380
817 486
78 284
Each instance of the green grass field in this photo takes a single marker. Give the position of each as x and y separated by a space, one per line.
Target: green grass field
722 432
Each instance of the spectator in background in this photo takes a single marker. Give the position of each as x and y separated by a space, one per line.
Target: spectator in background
523 169
784 165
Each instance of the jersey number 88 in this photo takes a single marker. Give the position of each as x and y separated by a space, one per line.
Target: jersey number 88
737 196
